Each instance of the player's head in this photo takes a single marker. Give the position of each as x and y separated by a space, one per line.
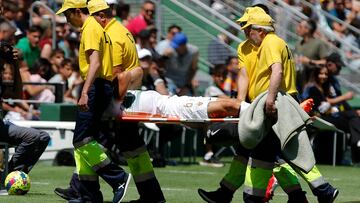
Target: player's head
73 10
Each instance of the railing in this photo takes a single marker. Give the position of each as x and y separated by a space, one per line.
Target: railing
287 33
58 92
211 11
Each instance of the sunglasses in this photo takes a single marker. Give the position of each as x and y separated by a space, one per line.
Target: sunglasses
67 14
150 11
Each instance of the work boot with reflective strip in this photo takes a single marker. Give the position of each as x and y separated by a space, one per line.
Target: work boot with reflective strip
143 172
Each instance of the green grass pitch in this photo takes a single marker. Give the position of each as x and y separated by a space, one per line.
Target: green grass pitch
179 184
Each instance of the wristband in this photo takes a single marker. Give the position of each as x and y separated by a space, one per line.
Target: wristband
158 81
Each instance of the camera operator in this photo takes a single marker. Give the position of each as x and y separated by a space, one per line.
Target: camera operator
30 143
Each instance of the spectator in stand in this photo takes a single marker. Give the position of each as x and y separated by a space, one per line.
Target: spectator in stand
181 65
56 57
146 39
112 4
10 11
122 13
152 79
334 63
29 45
75 82
7 31
15 111
308 11
72 41
153 37
40 93
219 49
321 91
22 16
143 20
215 89
164 44
353 38
229 85
45 43
61 37
339 11
309 52
65 72
322 23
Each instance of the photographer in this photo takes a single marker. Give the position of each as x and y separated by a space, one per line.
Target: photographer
30 143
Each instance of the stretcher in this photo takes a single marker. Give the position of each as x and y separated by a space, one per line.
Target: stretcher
154 118
148 118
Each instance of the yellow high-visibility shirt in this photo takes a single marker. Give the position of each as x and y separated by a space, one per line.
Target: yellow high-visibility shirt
274 50
124 50
247 55
94 37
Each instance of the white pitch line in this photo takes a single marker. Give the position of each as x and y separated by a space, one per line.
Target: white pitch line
176 189
168 189
188 172
39 183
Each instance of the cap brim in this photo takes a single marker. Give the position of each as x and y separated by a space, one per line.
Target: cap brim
62 10
245 26
174 45
99 8
242 19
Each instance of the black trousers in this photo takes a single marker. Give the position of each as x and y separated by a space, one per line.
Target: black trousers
30 144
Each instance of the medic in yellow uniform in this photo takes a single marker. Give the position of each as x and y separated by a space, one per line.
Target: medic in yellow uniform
95 61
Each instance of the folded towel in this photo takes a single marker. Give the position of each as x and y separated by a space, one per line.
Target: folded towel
289 128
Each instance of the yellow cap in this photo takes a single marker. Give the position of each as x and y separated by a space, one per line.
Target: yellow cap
71 4
96 6
258 18
250 11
